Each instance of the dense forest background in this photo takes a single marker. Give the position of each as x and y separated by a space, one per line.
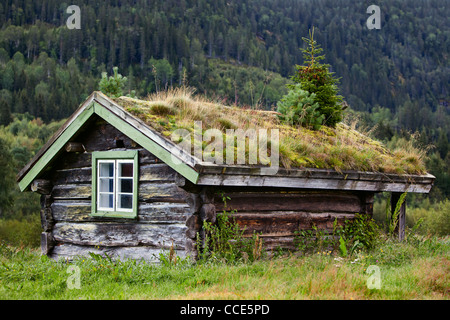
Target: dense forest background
243 52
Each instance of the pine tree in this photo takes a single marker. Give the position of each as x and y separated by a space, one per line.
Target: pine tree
5 113
316 78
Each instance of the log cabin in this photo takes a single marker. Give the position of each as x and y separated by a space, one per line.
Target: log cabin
112 181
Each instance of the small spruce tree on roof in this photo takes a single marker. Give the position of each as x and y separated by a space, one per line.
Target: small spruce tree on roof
315 78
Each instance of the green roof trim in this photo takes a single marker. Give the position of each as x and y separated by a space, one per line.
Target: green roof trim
108 110
55 147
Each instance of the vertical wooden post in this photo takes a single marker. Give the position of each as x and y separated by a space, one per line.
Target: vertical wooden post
400 228
367 203
47 222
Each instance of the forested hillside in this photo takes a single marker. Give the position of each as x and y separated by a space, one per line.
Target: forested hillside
241 51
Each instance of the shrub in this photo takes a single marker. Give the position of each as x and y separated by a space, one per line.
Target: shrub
298 108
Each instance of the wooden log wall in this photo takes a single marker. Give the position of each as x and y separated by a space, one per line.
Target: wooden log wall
277 215
163 207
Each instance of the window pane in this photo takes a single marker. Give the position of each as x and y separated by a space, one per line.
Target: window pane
125 201
106 200
125 170
126 185
106 169
106 185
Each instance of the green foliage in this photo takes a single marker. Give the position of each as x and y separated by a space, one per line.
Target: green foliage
6 172
391 219
298 108
19 141
360 233
224 241
162 72
22 231
342 247
315 78
432 219
114 85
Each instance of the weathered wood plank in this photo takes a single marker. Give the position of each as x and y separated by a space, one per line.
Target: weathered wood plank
74 147
312 173
162 212
82 160
158 172
120 234
47 242
161 192
103 136
304 201
148 192
157 212
367 200
72 211
72 191
146 253
313 183
72 176
47 220
271 243
286 223
194 225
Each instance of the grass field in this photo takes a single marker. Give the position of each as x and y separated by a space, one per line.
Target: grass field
416 269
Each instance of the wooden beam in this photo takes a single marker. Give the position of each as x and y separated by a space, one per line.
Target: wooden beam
74 147
194 225
208 212
400 228
41 186
331 182
47 221
47 242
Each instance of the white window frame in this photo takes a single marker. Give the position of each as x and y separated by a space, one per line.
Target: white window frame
117 158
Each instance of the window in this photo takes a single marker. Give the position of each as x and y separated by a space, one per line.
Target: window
114 184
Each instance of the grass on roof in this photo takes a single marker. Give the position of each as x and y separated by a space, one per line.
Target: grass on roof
341 148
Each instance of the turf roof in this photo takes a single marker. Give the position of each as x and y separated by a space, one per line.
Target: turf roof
341 148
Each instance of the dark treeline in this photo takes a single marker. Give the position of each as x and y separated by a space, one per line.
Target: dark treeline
242 51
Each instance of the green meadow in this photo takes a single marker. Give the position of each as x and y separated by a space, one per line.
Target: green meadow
418 268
